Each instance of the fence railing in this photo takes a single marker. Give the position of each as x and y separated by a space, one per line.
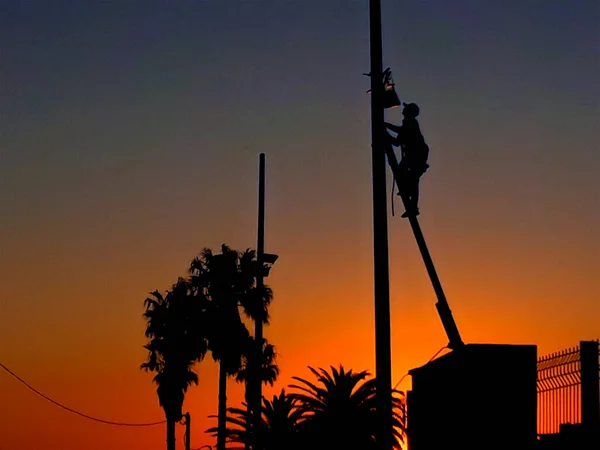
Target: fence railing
568 387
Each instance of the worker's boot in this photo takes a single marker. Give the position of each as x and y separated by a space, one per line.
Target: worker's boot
413 212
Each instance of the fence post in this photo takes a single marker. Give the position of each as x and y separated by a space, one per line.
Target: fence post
590 384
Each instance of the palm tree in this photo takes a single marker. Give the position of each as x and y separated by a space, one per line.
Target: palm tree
339 410
227 281
256 306
269 370
279 424
175 330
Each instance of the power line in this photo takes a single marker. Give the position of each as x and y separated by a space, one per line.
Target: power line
430 359
108 422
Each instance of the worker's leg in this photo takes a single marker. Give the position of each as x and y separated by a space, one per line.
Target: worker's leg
404 180
412 195
405 193
415 196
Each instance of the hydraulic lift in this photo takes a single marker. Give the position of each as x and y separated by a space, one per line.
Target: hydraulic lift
454 339
391 100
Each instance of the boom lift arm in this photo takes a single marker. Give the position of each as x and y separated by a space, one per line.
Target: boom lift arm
454 339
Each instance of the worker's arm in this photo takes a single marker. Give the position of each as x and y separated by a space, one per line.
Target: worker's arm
394 140
394 128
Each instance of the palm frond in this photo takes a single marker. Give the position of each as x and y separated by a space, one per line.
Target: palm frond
339 409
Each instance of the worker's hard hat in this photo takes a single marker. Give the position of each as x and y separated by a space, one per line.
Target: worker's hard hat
410 109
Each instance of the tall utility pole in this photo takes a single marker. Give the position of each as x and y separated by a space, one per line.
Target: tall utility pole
383 353
255 409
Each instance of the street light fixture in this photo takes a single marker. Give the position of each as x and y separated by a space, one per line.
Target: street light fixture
268 259
389 98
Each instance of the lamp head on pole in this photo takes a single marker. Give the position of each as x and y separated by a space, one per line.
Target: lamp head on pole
268 260
390 97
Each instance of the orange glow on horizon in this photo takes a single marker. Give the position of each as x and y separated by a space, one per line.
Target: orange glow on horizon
130 141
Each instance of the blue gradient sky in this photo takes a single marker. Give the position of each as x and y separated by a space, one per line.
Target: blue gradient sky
129 140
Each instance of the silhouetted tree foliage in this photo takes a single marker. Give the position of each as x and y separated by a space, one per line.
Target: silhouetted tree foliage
269 370
227 281
175 328
337 411
280 424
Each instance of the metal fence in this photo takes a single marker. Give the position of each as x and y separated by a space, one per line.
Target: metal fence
559 386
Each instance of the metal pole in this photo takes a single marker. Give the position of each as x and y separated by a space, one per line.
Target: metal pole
258 325
383 366
188 431
590 384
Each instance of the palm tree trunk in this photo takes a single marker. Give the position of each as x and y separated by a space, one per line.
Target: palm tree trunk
222 424
170 434
248 421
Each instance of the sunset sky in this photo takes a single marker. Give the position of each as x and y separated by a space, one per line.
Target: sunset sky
130 134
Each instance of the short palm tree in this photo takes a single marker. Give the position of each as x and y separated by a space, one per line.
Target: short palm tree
280 424
338 410
175 330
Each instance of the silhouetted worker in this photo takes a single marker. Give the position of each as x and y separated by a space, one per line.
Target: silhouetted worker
414 154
